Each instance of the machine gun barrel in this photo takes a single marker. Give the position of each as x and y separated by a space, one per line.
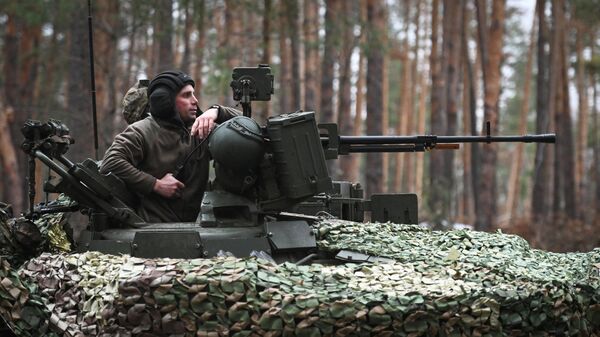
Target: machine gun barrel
335 144
432 139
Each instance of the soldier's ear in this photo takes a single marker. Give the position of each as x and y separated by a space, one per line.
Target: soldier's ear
162 101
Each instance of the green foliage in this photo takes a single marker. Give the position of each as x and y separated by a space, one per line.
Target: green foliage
593 65
138 11
27 12
217 81
587 11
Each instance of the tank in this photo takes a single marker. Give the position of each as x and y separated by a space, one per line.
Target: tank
278 248
271 183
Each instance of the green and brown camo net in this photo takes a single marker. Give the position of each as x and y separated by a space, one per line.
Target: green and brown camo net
455 283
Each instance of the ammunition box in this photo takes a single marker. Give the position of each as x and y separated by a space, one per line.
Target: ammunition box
298 155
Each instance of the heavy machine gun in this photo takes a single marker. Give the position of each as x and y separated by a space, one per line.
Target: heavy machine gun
270 187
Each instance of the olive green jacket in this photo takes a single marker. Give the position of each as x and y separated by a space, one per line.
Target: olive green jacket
150 148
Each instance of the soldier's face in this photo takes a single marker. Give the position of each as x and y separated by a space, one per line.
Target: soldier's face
186 104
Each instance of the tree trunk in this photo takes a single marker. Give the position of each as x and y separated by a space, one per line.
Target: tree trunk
11 58
20 74
540 205
354 174
409 176
311 55
285 88
330 55
420 156
385 120
219 17
557 97
354 171
29 42
468 106
78 87
328 61
233 41
422 111
596 145
438 183
402 123
564 176
150 43
252 35
107 32
178 22
264 110
12 172
595 169
375 72
266 32
293 26
165 35
51 76
345 123
129 78
200 20
188 25
492 57
475 149
582 123
517 162
21 60
544 235
451 56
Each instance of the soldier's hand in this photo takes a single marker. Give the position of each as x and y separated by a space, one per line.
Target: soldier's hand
169 187
204 123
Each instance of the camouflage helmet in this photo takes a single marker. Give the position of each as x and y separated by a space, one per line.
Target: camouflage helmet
237 144
135 102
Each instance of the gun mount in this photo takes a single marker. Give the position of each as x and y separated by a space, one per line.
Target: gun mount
49 142
271 185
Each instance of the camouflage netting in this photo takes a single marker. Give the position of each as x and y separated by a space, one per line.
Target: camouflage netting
20 238
21 304
441 284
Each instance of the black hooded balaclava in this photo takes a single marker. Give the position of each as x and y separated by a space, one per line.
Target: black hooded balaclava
162 92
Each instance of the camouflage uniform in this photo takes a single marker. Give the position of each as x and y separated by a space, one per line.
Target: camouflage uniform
135 103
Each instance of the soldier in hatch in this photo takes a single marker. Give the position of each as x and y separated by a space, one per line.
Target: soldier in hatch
169 141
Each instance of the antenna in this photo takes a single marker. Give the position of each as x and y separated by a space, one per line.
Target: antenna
93 91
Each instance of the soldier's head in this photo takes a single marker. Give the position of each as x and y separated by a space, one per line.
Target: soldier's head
171 95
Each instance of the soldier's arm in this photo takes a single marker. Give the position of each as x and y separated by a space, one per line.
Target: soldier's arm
226 113
123 158
215 114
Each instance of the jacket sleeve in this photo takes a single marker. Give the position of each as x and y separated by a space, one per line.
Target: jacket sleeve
123 158
226 113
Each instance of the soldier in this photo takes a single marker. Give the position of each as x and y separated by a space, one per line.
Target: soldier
163 158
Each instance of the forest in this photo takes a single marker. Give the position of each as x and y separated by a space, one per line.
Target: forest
375 67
